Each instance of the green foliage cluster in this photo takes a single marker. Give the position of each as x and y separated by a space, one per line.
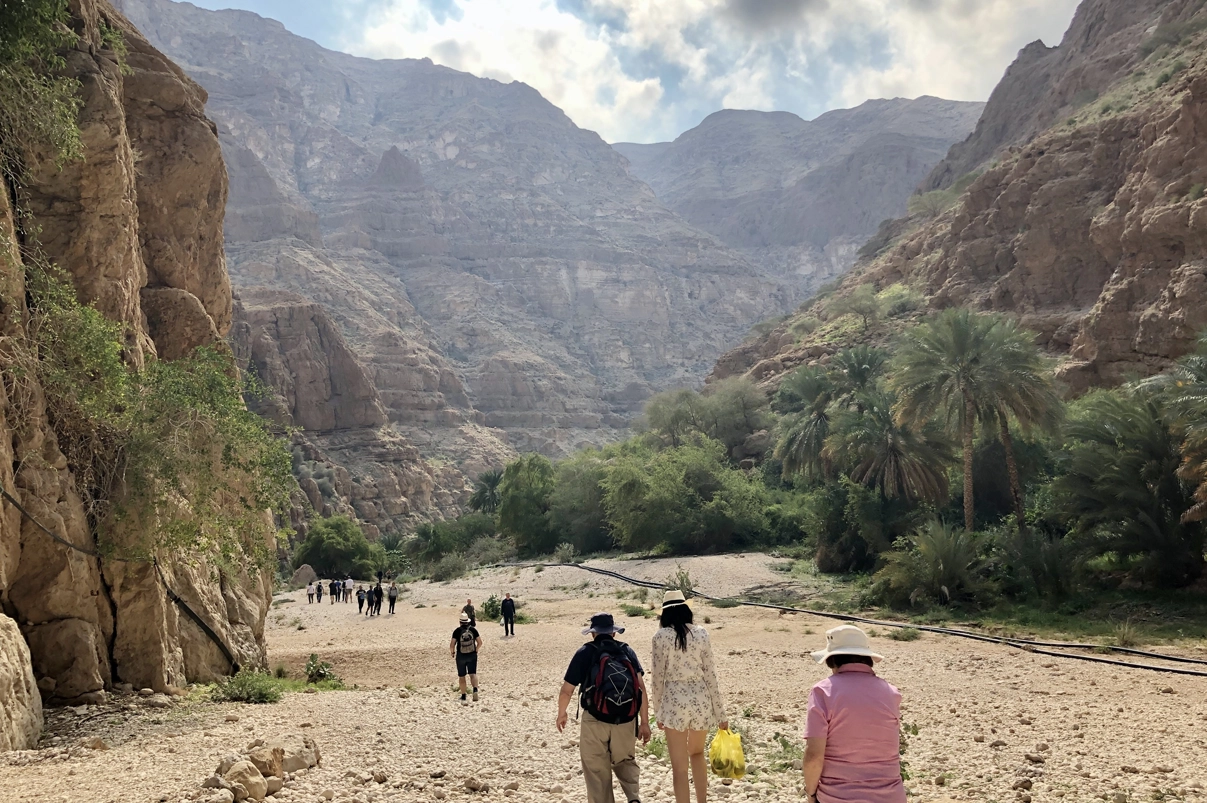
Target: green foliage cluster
38 106
337 547
728 411
167 455
248 687
320 671
936 202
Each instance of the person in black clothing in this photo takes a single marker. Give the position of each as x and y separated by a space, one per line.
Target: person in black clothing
464 647
360 599
508 616
377 597
336 585
606 748
318 591
393 596
468 610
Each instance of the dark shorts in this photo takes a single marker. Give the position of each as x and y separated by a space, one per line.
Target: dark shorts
467 664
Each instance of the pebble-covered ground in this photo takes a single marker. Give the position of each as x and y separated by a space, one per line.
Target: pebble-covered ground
992 723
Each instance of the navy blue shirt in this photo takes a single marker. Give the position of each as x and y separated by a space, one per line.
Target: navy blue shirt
584 660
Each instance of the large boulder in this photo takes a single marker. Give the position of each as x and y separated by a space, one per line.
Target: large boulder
20 702
245 774
304 575
300 752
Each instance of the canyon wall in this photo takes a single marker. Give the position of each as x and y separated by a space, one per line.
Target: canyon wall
1092 231
802 196
136 225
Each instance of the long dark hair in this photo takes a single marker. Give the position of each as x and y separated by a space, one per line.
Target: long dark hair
678 617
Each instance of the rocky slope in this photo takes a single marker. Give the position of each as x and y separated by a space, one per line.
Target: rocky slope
1093 231
137 225
503 281
798 195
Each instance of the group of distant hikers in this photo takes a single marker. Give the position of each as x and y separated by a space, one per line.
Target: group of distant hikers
852 731
368 600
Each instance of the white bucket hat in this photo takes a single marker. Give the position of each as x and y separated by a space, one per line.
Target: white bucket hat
846 640
672 599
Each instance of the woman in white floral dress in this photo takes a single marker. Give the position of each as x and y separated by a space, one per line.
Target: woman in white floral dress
684 695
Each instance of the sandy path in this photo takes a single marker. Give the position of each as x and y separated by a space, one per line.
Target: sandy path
1096 721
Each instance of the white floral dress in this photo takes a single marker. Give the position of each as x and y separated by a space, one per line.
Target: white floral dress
684 693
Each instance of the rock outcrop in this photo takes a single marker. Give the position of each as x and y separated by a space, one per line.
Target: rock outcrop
1094 232
20 701
501 278
137 226
801 195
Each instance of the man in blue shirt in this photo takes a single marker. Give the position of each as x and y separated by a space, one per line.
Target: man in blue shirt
615 711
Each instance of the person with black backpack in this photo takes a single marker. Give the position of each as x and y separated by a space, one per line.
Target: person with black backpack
615 711
464 647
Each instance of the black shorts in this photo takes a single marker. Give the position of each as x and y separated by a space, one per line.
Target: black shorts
467 664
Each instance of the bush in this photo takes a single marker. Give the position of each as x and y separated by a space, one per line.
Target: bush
487 551
248 687
942 564
492 609
336 547
565 554
318 671
899 299
905 634
681 580
450 567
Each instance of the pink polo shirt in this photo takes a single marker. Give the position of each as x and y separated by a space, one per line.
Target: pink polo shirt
859 716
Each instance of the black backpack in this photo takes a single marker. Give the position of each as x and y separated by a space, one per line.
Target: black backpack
611 692
466 641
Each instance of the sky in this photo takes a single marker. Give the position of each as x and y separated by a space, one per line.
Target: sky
647 70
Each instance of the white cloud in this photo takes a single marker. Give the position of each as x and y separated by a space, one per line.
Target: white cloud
648 69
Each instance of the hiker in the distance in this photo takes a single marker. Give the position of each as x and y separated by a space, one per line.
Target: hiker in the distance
360 599
348 588
508 616
685 694
615 711
853 726
468 610
318 591
336 586
393 595
377 597
464 647
309 593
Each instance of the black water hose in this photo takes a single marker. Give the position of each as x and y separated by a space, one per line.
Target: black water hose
1027 645
172 595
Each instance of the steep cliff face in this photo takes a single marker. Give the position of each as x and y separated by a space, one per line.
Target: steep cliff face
137 225
802 196
1094 232
502 279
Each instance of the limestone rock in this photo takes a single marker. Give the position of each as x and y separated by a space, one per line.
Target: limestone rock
245 774
268 760
298 752
305 573
20 702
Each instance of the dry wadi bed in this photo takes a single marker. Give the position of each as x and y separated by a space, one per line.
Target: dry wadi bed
1094 732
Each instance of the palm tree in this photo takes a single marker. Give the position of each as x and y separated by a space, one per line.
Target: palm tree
1121 486
855 371
970 368
486 493
897 460
807 393
1184 387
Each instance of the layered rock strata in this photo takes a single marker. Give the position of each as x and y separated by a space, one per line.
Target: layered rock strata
501 278
801 195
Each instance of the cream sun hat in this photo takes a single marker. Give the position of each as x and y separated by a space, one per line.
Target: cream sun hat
846 640
672 599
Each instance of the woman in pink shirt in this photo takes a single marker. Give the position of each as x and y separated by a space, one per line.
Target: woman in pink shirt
853 730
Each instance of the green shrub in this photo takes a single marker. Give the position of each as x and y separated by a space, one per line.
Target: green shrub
565 553
319 671
248 687
724 603
492 609
488 550
337 547
681 580
899 299
905 634
636 611
1196 191
939 564
280 671
450 567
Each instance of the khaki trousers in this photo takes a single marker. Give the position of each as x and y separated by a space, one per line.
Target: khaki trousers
606 749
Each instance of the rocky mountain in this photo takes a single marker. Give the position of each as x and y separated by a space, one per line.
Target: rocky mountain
1089 221
499 278
137 227
802 196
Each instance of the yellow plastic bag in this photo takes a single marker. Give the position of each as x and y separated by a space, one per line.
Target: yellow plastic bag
726 757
